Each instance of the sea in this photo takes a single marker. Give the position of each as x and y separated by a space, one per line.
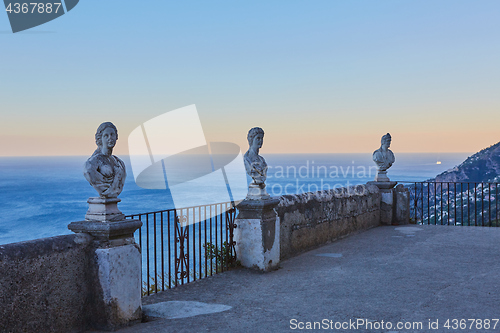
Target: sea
40 196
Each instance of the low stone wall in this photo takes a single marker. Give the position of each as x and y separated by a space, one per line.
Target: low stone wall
315 218
46 285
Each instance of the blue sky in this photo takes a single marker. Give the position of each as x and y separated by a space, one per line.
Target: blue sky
318 76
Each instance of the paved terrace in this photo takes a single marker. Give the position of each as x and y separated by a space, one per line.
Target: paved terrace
395 274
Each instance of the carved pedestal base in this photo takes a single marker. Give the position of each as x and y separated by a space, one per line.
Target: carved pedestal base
255 192
104 210
381 176
258 234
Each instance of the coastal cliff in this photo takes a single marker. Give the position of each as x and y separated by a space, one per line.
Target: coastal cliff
483 166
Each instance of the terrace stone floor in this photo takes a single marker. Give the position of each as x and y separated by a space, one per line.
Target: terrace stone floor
408 274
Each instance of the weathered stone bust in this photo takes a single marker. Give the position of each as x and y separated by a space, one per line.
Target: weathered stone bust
104 171
256 165
384 158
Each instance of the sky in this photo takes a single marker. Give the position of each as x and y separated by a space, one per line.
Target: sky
319 76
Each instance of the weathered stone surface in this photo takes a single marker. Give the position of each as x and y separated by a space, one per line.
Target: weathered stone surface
59 284
257 234
45 285
402 204
119 275
115 272
106 230
395 203
315 218
103 210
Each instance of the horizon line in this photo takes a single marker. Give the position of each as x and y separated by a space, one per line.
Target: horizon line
332 153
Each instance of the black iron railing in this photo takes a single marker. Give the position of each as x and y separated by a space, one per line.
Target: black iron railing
455 203
182 245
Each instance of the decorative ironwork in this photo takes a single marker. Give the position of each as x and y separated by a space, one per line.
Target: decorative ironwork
230 226
196 242
182 256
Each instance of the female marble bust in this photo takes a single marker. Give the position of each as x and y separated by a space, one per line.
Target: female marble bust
104 171
255 164
383 157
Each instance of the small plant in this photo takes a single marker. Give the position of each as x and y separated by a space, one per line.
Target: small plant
223 256
152 285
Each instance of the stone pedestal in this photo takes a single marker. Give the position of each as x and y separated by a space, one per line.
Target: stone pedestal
395 204
104 209
402 204
119 285
258 234
116 274
256 192
106 231
381 177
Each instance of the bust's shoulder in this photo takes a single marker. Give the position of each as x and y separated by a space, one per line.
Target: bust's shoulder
249 157
92 160
119 160
246 157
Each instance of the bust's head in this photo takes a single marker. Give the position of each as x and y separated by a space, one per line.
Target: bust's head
386 141
255 137
106 134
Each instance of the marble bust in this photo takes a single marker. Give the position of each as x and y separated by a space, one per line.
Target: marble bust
104 171
383 158
255 165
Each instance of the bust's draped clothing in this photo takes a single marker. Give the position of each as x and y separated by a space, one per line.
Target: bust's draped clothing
106 174
256 167
383 159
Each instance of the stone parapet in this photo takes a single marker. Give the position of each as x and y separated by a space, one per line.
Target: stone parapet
311 219
46 285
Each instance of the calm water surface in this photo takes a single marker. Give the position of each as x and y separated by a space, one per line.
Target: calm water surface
41 195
